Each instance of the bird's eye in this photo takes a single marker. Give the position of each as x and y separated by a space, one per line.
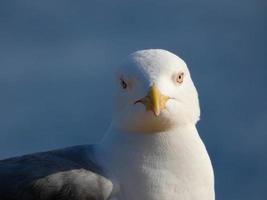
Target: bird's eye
123 84
180 77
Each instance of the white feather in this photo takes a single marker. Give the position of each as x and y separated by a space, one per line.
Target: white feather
156 158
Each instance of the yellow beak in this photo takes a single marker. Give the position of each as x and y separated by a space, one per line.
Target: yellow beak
154 101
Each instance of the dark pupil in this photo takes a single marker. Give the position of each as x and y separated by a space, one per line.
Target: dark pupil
123 84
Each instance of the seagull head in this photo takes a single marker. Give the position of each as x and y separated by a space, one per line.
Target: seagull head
154 93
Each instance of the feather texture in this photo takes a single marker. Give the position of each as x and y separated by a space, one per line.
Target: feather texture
69 173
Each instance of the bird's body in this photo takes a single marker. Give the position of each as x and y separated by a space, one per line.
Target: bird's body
152 150
158 166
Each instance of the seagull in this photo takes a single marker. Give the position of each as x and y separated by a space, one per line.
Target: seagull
151 151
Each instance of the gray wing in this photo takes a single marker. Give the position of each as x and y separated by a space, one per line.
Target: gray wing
70 173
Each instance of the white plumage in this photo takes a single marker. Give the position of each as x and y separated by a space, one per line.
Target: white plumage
157 157
152 150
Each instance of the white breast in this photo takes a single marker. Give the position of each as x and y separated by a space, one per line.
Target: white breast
165 166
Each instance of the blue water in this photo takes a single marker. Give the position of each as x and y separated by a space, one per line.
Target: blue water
55 77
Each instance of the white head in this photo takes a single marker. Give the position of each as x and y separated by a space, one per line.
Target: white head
154 93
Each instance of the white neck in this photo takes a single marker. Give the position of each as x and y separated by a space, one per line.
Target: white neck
176 157
136 144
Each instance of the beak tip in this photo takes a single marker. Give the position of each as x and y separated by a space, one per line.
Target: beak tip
156 113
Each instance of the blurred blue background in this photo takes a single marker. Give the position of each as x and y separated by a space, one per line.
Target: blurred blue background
55 75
